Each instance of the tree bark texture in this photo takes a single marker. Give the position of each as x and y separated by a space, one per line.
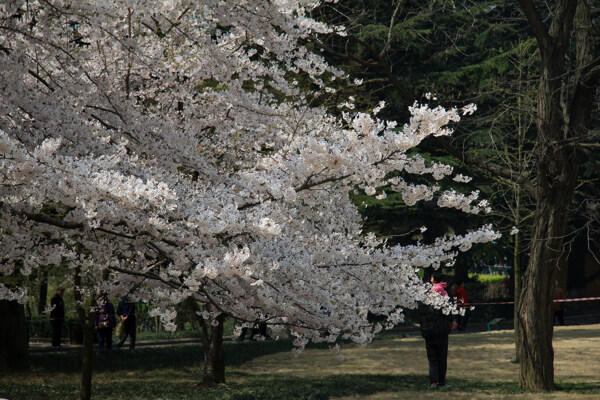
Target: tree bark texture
535 331
214 356
14 338
564 113
87 363
212 346
87 325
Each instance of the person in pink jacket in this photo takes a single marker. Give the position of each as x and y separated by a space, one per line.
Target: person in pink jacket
438 286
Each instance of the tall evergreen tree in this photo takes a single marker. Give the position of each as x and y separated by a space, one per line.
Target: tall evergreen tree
461 50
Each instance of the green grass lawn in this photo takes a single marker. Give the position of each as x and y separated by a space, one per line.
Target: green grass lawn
391 367
486 278
181 383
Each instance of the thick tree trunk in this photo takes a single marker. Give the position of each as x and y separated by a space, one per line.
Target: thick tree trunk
212 345
557 177
563 117
14 351
557 172
214 356
87 361
86 320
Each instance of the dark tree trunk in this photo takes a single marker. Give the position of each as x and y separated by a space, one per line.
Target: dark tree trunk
214 356
568 77
212 346
461 268
86 320
14 338
42 288
535 331
87 360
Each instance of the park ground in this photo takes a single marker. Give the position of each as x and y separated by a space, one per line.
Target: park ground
392 367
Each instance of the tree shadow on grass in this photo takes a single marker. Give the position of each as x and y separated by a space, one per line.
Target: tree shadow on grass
144 358
575 333
178 386
251 387
333 386
579 387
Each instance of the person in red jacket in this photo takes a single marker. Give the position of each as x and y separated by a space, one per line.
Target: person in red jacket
462 299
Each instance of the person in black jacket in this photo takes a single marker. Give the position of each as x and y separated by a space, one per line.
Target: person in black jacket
435 328
259 328
126 310
57 316
105 322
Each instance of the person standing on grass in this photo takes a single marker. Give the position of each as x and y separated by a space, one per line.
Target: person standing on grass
105 322
435 328
57 316
559 307
462 300
126 310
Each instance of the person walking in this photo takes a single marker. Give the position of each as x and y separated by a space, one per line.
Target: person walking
462 300
126 311
559 307
105 322
435 327
57 316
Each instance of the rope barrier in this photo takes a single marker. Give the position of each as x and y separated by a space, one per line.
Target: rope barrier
495 302
578 299
555 301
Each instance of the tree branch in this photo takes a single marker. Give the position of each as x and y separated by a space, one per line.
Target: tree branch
39 78
392 21
487 167
562 22
306 185
588 145
344 55
536 23
175 285
404 91
309 185
45 219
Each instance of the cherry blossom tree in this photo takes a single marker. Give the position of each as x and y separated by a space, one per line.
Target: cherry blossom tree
190 165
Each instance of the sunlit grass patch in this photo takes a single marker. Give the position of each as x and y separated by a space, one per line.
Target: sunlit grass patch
479 367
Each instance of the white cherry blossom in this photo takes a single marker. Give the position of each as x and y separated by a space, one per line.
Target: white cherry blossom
187 163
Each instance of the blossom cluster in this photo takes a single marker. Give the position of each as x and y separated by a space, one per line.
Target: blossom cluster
188 164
